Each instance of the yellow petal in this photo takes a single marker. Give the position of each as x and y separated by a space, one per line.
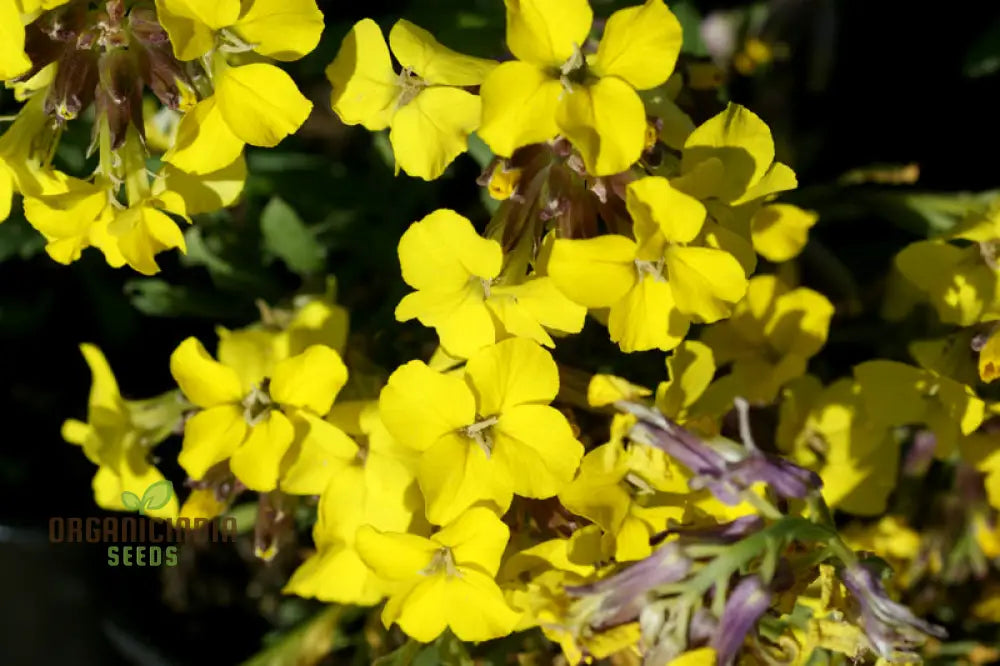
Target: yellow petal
204 381
13 61
365 86
419 405
442 252
191 24
319 452
800 322
706 282
248 351
640 45
478 610
337 574
205 143
423 612
104 392
433 129
547 33
281 29
606 122
455 473
519 107
648 317
477 539
512 372
257 463
780 231
417 50
700 657
690 369
743 143
6 190
394 556
211 436
310 380
989 358
211 192
604 390
260 103
543 300
596 272
892 391
461 319
537 445
655 206
142 232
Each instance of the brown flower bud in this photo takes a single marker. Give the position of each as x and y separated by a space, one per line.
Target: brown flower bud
119 97
73 88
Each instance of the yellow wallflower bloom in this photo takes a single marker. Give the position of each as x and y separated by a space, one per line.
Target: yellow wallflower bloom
553 88
377 489
446 580
272 433
830 430
897 394
429 115
119 436
484 436
455 270
255 103
657 284
769 338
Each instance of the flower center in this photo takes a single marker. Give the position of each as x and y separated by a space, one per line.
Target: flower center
258 403
443 561
481 433
655 269
410 86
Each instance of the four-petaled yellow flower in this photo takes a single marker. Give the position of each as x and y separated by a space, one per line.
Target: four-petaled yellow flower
444 581
657 284
272 432
554 88
455 270
429 113
487 435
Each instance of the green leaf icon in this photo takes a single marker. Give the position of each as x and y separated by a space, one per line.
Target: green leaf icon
157 495
131 501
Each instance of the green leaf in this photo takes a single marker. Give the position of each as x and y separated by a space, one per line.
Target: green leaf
287 237
17 238
157 495
983 58
131 501
158 298
402 656
690 20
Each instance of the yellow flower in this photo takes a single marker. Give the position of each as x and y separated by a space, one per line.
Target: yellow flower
780 231
21 162
429 115
657 284
830 430
553 88
119 436
484 436
446 580
255 103
272 433
690 368
630 502
455 270
377 489
730 158
769 338
989 358
897 394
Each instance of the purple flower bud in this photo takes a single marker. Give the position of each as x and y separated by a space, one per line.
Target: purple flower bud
119 97
784 477
626 592
891 627
746 604
723 533
921 453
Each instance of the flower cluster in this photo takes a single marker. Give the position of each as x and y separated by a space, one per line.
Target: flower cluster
496 486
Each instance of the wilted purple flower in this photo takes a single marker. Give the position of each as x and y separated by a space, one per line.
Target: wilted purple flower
729 532
746 604
891 627
625 593
724 478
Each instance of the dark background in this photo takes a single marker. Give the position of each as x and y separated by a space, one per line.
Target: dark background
866 82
